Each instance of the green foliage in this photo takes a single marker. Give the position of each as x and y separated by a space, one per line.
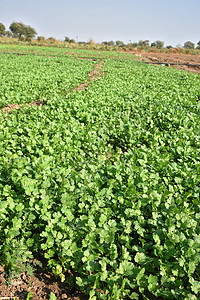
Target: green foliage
33 77
29 32
20 30
189 45
2 30
51 39
41 38
143 44
29 296
15 256
158 44
52 296
105 182
120 43
132 45
68 40
8 33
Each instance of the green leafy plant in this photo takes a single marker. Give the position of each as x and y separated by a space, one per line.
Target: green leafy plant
52 296
104 183
30 296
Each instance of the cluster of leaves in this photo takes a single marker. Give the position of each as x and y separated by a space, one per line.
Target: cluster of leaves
105 183
31 77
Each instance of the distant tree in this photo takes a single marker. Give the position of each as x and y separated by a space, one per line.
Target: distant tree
29 32
120 43
19 30
2 30
198 45
132 45
41 38
140 43
169 47
67 39
146 43
8 33
158 44
104 43
143 44
72 41
111 43
189 45
51 39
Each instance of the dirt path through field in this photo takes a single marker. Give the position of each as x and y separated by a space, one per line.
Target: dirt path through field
96 73
10 107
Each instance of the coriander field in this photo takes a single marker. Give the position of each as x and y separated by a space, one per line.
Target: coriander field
103 182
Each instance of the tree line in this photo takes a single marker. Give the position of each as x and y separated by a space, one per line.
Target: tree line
141 44
18 30
146 44
26 32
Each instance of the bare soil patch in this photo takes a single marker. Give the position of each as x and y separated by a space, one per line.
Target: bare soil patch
10 107
41 285
173 58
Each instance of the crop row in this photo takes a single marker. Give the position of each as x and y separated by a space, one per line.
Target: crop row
105 183
25 79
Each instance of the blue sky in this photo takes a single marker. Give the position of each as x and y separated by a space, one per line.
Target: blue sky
171 21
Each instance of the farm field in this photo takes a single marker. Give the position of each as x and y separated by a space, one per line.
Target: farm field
101 182
187 62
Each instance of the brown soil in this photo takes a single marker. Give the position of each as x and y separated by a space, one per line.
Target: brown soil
95 74
173 58
10 107
41 285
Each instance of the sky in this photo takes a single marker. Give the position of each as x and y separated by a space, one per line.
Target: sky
171 21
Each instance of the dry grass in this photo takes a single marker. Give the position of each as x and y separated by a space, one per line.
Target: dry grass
91 45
